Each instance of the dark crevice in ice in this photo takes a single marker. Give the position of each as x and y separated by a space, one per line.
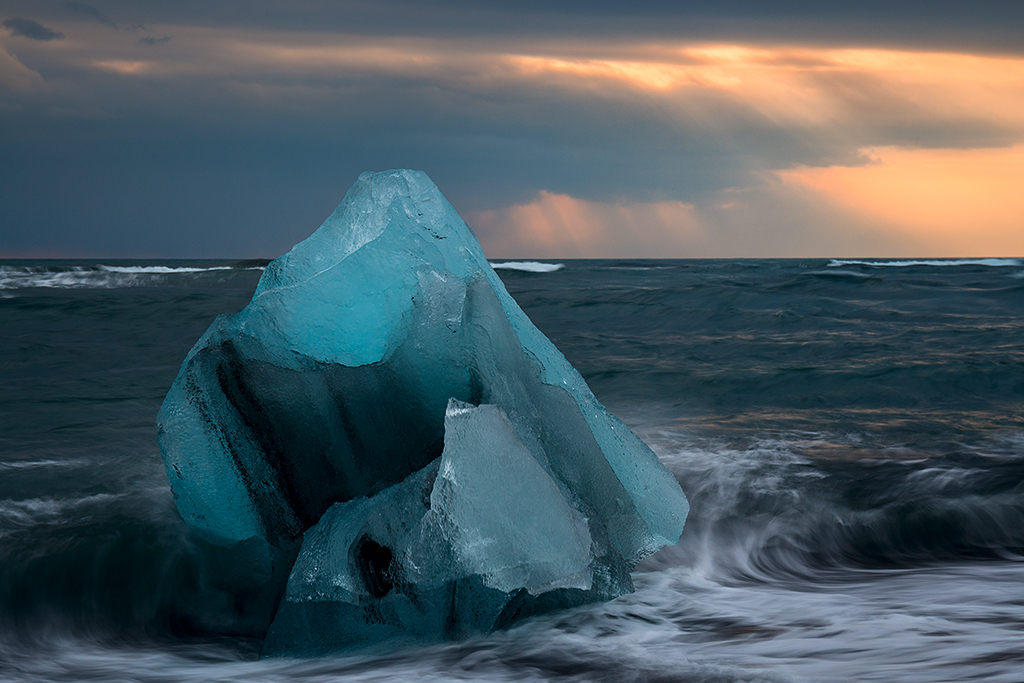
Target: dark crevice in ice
375 566
232 374
357 446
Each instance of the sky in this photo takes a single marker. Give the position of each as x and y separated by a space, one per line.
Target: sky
728 129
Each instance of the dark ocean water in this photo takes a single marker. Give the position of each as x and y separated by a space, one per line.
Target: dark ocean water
850 436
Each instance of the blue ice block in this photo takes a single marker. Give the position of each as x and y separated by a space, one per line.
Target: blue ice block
480 537
332 385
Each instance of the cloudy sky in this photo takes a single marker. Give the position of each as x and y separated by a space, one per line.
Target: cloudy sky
231 129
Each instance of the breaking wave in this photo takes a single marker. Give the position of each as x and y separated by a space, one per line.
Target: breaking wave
772 512
528 266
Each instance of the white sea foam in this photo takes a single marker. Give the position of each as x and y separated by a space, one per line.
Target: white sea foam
20 513
529 266
99 276
932 262
164 270
34 464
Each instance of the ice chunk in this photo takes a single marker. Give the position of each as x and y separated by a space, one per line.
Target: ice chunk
332 386
504 515
476 539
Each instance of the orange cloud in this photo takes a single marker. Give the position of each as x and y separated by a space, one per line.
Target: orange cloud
777 219
910 203
560 226
809 85
827 100
817 86
951 202
125 67
829 93
917 202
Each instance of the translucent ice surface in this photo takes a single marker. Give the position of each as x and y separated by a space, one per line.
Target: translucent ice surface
382 372
480 537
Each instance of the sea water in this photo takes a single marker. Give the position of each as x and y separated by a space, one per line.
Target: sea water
850 435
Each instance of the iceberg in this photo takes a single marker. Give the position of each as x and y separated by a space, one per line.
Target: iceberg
383 425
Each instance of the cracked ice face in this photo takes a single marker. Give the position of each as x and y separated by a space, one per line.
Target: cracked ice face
482 536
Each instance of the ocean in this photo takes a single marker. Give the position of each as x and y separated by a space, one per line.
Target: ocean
850 435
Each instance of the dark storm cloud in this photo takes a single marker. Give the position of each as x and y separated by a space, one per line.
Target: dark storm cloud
986 24
241 134
85 9
30 29
995 25
494 142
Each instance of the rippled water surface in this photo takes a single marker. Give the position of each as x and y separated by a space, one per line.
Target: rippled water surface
849 433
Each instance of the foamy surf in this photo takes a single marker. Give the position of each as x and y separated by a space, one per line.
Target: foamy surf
100 276
165 270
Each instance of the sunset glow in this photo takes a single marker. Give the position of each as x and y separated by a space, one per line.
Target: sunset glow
560 226
964 202
662 147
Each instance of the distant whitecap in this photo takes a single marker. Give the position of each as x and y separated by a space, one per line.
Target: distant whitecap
931 262
529 266
160 270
